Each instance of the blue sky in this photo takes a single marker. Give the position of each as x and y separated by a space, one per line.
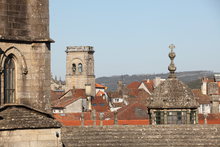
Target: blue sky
132 36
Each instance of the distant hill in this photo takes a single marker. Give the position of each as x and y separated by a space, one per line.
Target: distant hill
192 78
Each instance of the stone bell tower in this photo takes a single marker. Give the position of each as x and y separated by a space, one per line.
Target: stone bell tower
80 68
25 53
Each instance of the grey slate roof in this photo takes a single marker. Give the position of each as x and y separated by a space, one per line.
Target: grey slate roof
24 117
172 93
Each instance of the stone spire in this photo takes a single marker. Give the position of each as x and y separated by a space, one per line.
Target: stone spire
172 67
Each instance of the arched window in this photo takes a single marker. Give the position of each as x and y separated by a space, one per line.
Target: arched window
80 67
9 80
74 68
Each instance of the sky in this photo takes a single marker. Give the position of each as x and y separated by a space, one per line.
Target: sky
132 36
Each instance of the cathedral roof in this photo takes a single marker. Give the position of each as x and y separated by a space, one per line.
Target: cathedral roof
173 93
23 117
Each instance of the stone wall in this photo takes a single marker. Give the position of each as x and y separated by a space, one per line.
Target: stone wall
83 55
150 136
31 138
213 88
24 20
74 107
32 65
24 34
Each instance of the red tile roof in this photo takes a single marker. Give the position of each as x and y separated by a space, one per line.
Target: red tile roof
149 85
100 104
119 104
133 92
202 99
66 100
55 95
74 116
100 86
133 85
114 94
213 118
135 111
133 88
100 93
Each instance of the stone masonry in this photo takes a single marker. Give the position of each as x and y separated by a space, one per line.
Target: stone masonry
76 79
24 34
144 136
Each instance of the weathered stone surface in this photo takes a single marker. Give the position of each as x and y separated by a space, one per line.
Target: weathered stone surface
31 138
24 117
172 93
150 136
24 20
80 55
32 73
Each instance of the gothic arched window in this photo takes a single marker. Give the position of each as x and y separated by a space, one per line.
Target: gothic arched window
74 68
80 67
9 80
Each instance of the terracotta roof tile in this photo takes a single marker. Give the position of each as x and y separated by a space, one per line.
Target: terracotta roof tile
100 86
114 94
202 99
100 104
133 92
119 104
100 93
55 95
135 111
133 85
66 100
149 84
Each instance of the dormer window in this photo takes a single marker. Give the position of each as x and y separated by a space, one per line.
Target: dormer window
80 67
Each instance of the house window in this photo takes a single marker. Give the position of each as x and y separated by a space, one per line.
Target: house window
80 67
74 68
9 80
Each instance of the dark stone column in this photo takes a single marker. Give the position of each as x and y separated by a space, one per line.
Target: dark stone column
165 116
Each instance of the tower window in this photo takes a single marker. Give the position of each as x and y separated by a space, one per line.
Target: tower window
74 68
9 80
80 67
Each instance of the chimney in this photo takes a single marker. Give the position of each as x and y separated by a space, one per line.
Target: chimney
204 85
88 89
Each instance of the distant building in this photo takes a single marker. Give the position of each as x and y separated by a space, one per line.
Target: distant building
80 68
73 101
211 87
101 91
203 100
100 104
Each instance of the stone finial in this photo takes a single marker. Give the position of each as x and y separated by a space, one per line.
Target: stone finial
172 67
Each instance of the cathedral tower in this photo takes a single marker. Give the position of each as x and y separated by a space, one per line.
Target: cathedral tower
80 68
25 53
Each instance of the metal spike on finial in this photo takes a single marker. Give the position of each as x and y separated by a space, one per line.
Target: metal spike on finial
172 67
